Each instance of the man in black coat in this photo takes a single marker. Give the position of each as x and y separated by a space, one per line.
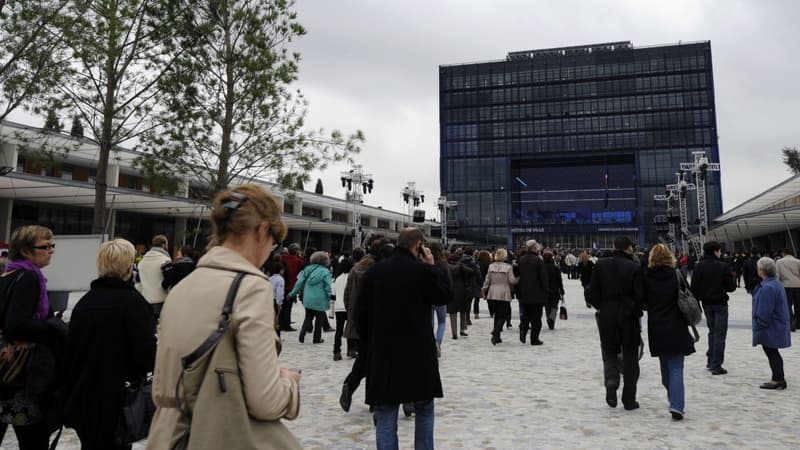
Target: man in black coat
711 282
750 271
533 292
616 290
394 323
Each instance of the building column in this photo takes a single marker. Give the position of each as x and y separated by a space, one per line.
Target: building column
327 213
392 225
297 206
326 242
9 155
6 207
179 238
112 175
372 222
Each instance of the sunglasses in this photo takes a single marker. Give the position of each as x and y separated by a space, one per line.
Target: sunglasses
45 247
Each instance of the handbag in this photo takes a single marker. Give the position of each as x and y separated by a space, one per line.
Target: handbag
214 414
137 412
689 306
562 311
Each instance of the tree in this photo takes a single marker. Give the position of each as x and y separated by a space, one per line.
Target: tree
31 56
76 130
230 112
120 49
318 188
51 122
791 157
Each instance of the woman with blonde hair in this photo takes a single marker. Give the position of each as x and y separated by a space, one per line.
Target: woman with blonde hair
497 289
244 393
112 341
667 330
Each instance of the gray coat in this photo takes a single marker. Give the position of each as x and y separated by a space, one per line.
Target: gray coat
351 294
498 282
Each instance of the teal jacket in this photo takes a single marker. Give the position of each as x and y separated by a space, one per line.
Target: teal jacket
316 285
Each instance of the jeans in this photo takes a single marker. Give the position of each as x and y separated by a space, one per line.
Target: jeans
775 363
717 321
793 297
440 314
672 380
386 425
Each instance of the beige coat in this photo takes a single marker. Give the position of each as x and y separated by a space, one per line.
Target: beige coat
192 312
498 281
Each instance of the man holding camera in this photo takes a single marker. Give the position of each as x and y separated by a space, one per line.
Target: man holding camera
394 324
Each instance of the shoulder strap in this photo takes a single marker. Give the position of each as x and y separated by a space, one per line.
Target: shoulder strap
212 340
681 282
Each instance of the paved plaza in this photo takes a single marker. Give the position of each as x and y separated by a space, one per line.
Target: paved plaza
516 396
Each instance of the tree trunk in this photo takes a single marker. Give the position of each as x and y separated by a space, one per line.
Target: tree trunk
106 144
227 123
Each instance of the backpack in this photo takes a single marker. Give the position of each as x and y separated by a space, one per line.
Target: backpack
689 306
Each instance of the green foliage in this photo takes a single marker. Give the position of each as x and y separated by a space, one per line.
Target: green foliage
229 111
52 122
32 60
76 130
791 157
119 49
318 189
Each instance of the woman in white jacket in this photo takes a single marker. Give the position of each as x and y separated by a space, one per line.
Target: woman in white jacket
337 306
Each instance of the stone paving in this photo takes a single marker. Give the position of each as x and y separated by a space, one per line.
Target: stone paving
516 396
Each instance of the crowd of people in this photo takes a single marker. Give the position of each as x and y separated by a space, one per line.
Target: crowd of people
198 323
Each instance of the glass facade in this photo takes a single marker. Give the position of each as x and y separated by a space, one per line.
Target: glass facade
573 143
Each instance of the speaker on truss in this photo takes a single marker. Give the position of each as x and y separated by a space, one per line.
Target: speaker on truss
419 216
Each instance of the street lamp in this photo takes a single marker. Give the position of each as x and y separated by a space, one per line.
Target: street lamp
357 184
444 205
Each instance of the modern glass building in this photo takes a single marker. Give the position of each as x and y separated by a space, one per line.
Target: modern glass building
569 145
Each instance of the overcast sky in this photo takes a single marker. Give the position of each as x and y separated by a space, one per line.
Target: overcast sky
373 66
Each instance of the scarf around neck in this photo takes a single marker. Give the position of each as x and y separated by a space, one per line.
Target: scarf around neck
43 307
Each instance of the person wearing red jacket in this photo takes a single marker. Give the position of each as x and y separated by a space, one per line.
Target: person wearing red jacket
292 264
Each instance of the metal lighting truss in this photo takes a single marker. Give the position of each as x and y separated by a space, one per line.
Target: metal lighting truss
357 184
699 168
680 189
669 198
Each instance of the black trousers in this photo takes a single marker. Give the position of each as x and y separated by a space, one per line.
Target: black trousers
357 372
341 318
317 318
775 363
530 319
793 297
285 317
502 313
29 437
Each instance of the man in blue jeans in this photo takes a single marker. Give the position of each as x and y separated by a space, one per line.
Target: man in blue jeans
397 342
711 281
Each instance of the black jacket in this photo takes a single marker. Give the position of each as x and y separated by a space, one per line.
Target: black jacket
463 279
534 282
112 340
175 272
17 312
554 281
750 273
712 280
586 272
394 323
667 330
616 290
476 282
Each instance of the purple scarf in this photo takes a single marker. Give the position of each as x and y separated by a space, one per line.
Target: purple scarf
43 308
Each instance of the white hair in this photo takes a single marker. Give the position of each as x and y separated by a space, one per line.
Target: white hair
767 266
532 245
